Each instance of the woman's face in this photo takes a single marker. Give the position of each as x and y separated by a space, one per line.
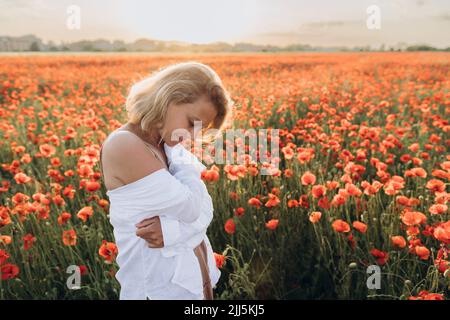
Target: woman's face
184 121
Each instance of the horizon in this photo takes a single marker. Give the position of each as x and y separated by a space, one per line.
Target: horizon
187 44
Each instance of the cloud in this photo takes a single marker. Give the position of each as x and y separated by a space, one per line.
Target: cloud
443 16
325 25
316 32
23 8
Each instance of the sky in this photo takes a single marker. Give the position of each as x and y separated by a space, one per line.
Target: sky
276 22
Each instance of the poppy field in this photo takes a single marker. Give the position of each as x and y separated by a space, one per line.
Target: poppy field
357 207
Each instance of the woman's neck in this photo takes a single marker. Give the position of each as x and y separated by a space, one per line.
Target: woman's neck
153 136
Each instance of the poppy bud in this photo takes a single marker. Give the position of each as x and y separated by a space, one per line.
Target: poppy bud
447 273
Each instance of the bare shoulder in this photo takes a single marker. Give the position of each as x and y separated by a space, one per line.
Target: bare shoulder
128 157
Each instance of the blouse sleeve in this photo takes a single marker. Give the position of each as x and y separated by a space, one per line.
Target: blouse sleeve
178 232
175 231
186 170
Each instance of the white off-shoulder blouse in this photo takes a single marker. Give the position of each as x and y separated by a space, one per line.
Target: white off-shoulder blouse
181 200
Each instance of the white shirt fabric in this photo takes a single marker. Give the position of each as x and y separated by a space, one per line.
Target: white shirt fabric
181 200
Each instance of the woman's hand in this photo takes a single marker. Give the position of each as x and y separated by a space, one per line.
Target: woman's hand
150 230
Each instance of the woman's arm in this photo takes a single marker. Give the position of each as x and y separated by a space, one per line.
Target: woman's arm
151 189
175 232
166 230
163 231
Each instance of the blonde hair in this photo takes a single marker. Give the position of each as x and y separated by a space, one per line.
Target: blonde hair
183 82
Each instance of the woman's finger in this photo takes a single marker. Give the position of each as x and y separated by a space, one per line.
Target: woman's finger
146 222
155 244
151 238
145 231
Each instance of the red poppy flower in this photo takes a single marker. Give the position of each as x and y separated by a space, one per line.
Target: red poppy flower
382 257
28 241
308 178
63 217
442 232
92 186
315 216
340 226
239 211
272 224
3 256
411 218
21 178
220 259
85 213
254 202
108 251
83 270
438 208
318 191
422 252
69 237
435 185
230 226
361 227
9 271
398 241
273 201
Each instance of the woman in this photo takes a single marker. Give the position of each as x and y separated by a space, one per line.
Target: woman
159 207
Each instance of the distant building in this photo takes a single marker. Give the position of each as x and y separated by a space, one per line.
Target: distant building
23 43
